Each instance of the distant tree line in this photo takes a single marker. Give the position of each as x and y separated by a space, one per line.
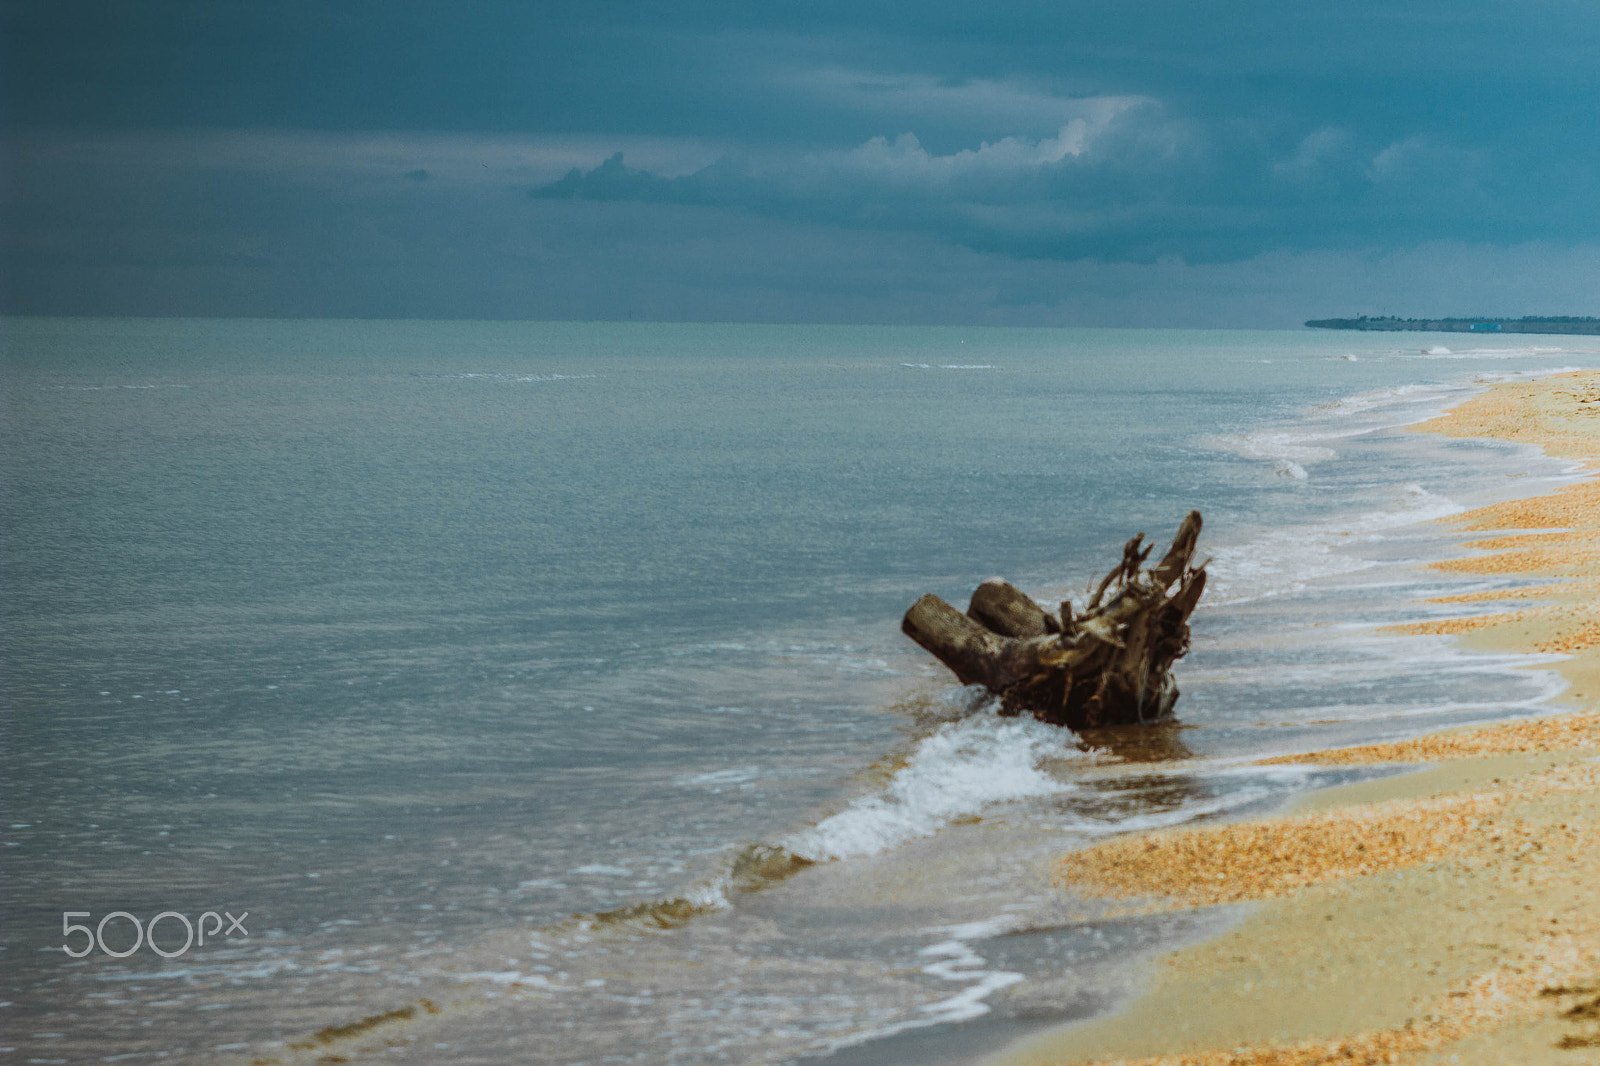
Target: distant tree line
1571 324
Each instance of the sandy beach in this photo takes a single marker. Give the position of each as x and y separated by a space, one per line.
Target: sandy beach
1450 915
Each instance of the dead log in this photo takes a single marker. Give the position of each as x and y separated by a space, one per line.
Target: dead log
1002 608
1107 665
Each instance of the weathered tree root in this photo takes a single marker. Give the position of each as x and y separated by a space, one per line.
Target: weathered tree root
1105 666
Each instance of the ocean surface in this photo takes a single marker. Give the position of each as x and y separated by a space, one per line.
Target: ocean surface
534 692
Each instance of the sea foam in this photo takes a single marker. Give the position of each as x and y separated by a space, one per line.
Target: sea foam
962 768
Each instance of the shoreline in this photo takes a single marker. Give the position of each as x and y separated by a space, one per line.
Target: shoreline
1440 915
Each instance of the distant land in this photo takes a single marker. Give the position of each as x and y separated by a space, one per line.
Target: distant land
1530 324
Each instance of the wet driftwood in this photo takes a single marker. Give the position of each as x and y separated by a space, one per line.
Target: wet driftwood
1105 665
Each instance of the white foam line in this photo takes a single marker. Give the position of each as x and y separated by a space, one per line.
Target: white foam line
1256 569
492 376
960 769
601 869
961 963
712 895
956 961
103 388
1289 447
506 977
1442 352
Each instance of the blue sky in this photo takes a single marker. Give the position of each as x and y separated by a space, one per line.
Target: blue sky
1236 163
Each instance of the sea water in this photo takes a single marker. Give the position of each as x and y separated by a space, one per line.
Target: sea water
535 691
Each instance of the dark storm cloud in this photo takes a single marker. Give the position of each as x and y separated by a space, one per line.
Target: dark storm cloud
1125 179
1016 131
625 66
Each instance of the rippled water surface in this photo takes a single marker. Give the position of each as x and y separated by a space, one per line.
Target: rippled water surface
416 640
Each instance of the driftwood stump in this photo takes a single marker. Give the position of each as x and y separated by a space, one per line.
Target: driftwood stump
1104 666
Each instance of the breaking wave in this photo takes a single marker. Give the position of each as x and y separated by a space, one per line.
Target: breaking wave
962 768
1284 560
495 376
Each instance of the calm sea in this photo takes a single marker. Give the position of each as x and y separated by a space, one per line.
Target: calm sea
535 693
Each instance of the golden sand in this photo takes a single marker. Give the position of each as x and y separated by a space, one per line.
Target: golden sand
1488 1001
1567 732
1408 931
1447 917
1455 626
1534 592
1276 856
1571 507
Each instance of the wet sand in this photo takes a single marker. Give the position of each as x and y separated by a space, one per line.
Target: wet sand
1450 915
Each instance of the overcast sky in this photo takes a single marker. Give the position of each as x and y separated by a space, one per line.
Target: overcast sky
1167 163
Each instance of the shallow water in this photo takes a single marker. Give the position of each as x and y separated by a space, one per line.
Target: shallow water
414 640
